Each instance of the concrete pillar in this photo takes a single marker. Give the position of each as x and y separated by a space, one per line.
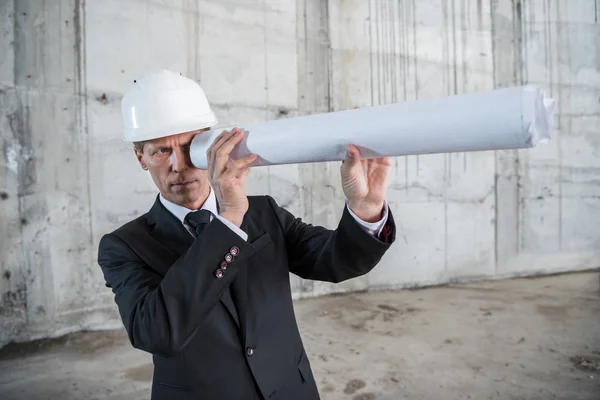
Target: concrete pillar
47 252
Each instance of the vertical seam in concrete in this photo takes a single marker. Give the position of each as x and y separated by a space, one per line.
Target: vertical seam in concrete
447 74
305 24
405 74
496 155
454 69
312 167
525 10
197 41
403 47
81 89
517 15
394 53
448 157
370 49
381 51
518 32
464 21
265 32
385 54
416 67
401 58
416 59
558 142
378 49
19 113
329 58
496 176
548 27
266 59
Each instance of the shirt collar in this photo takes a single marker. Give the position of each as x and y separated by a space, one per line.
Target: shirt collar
181 212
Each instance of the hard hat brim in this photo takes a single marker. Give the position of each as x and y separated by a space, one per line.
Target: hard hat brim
189 125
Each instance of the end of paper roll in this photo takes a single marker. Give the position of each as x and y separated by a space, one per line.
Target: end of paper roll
541 127
202 142
199 146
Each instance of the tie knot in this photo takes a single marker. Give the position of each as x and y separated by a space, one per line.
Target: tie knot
197 219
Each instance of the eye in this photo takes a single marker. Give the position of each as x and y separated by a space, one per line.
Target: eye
164 150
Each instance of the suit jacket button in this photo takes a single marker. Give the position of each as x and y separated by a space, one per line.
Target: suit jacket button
234 251
223 265
228 257
249 351
219 273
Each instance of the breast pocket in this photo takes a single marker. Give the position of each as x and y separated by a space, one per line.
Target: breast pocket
259 247
261 242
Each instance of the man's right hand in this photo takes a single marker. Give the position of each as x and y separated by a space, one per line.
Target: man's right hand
228 177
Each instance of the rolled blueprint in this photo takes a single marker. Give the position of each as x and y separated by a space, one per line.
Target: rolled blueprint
509 118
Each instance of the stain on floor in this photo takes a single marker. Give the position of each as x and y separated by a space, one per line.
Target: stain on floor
141 373
354 385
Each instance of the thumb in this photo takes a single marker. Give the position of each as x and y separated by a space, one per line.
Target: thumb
352 155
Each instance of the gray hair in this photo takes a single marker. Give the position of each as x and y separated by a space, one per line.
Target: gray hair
139 146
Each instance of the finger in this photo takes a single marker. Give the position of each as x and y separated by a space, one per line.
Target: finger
210 152
222 138
216 141
243 173
216 158
379 168
242 162
352 154
384 160
381 161
222 153
233 166
380 164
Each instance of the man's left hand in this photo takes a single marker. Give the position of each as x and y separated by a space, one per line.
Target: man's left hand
365 184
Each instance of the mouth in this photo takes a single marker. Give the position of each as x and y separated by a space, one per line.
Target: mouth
181 185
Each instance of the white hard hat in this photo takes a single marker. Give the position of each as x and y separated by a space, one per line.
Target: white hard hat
162 104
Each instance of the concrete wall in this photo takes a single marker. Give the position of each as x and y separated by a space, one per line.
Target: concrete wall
68 178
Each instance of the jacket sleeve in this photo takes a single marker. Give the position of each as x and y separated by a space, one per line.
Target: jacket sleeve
317 253
160 313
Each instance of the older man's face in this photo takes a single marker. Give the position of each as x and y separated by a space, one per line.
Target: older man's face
168 161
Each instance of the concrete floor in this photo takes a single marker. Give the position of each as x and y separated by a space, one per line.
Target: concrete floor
518 339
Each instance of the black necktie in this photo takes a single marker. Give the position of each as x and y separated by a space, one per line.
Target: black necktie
197 220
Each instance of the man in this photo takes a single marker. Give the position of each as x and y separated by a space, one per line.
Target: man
202 280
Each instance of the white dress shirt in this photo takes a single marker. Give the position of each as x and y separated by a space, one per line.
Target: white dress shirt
374 228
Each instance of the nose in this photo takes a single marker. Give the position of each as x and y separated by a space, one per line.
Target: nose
179 160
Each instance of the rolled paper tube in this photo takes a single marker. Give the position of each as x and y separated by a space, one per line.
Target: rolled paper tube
509 118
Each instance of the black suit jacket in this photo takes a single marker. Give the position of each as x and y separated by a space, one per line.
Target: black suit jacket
235 336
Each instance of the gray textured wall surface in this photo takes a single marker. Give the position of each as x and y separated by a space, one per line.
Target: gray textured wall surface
68 178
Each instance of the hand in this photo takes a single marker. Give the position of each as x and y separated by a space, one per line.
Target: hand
228 177
365 184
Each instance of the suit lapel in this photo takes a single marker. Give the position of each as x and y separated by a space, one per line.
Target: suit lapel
170 232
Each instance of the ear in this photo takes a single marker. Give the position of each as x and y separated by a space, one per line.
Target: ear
139 155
